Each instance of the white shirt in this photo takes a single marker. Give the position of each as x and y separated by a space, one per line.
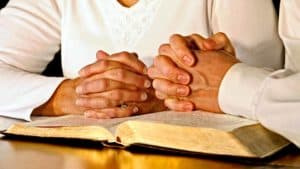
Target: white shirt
273 98
33 30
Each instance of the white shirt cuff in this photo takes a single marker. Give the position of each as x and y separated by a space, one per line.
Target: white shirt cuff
43 91
239 88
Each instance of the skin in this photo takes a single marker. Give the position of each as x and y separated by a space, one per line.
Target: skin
62 101
103 86
106 84
91 93
128 3
199 82
133 87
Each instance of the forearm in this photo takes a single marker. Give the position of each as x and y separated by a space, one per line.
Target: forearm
278 104
21 92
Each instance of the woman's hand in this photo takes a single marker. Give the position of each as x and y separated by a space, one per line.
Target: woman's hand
116 86
62 101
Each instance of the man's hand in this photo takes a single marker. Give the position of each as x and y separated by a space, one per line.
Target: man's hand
116 86
183 46
172 76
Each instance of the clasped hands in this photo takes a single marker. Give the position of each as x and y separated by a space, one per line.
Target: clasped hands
186 75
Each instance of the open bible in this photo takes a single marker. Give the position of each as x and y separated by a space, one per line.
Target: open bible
191 132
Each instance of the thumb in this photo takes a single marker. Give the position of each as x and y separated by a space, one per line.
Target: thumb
219 41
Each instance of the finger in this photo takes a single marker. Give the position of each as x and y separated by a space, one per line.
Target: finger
123 76
220 41
167 67
116 112
96 102
179 105
95 114
100 67
131 60
160 95
101 85
170 89
154 73
166 50
181 48
101 55
198 41
123 95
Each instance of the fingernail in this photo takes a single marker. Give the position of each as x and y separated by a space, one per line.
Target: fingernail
144 96
135 109
79 102
147 84
187 60
183 79
79 90
182 91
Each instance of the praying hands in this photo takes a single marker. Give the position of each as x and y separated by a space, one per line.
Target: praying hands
188 72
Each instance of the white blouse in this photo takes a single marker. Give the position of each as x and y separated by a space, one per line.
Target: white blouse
32 31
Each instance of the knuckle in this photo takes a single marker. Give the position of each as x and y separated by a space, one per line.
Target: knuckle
222 36
125 55
174 37
162 48
119 74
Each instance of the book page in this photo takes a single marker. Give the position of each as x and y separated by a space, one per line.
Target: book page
201 119
192 119
6 122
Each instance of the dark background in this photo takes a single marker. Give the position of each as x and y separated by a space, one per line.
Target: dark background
54 67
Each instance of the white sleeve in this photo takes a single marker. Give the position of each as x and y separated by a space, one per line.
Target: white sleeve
271 98
278 104
30 36
252 28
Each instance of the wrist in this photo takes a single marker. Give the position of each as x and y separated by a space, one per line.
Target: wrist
55 105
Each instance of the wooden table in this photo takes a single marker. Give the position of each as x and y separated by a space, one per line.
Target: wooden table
33 155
